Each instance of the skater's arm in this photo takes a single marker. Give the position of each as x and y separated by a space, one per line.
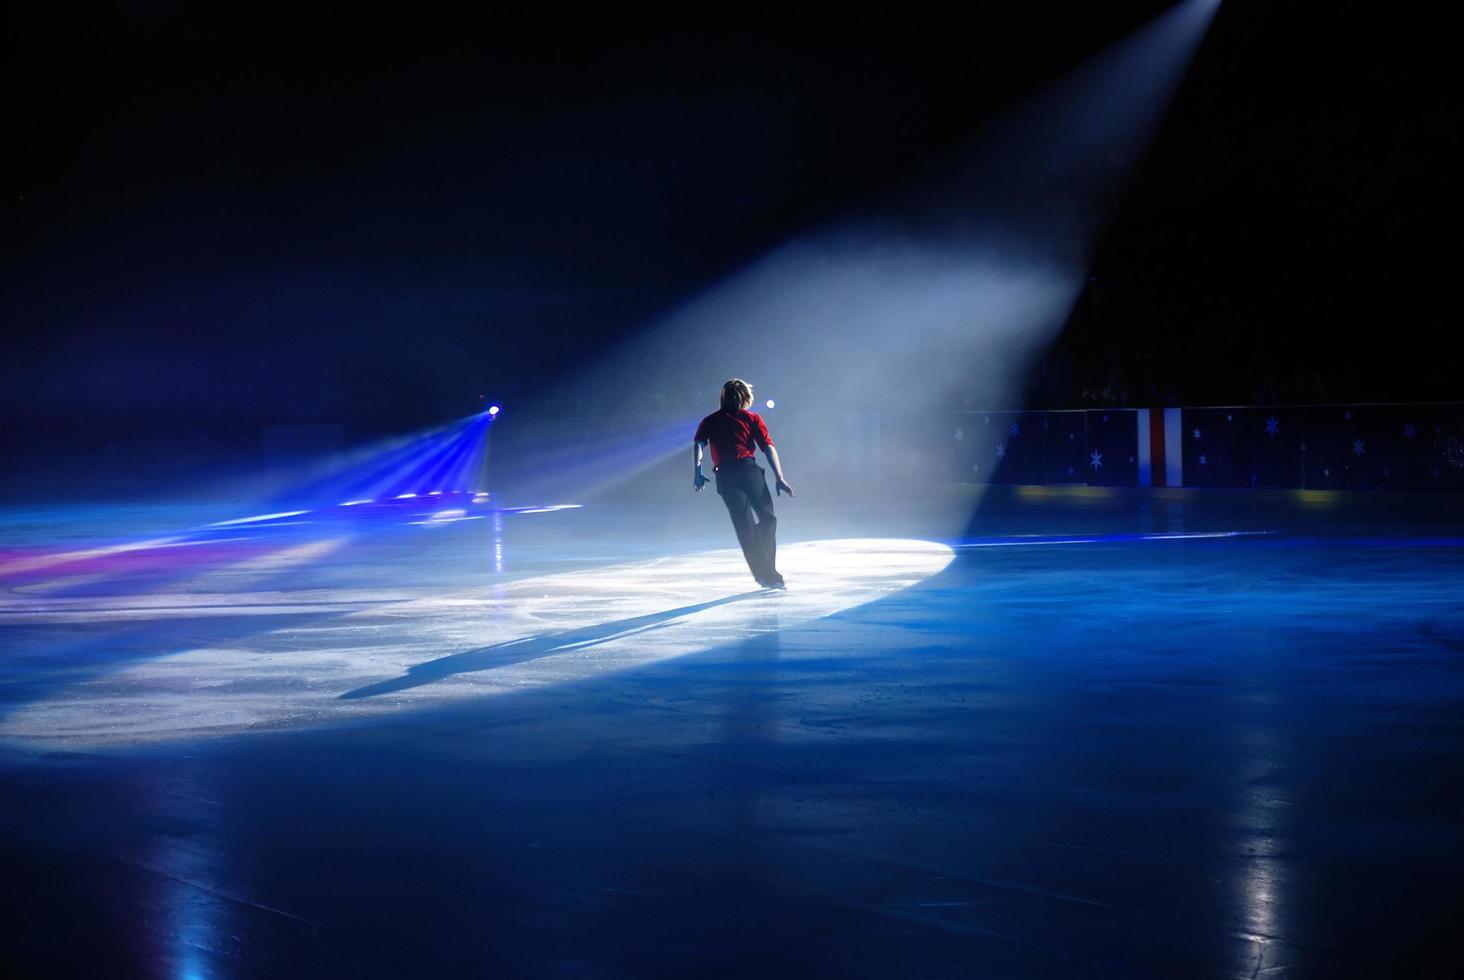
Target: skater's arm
697 479
765 443
771 452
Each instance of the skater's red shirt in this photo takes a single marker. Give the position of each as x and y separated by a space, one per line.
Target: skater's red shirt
733 435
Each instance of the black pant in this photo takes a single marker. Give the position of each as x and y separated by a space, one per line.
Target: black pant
744 490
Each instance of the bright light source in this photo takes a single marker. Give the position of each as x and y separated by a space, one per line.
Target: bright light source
494 409
260 517
355 503
435 493
445 517
770 403
405 496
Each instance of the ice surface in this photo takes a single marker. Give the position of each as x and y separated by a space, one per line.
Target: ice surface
377 650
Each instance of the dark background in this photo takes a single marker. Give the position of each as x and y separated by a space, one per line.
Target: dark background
215 221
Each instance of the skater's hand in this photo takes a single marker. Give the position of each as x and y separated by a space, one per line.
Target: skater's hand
699 481
783 487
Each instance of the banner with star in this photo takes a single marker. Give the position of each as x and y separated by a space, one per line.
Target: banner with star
1217 447
1277 436
1017 447
1112 448
1384 447
1067 447
998 447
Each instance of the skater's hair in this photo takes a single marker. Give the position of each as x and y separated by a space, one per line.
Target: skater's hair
736 394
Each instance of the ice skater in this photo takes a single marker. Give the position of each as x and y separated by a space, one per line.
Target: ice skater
734 434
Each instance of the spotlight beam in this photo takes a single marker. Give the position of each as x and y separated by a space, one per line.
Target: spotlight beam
948 292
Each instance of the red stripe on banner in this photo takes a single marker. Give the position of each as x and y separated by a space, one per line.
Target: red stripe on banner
1156 447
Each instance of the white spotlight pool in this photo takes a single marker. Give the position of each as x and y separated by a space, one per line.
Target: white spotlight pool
364 652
